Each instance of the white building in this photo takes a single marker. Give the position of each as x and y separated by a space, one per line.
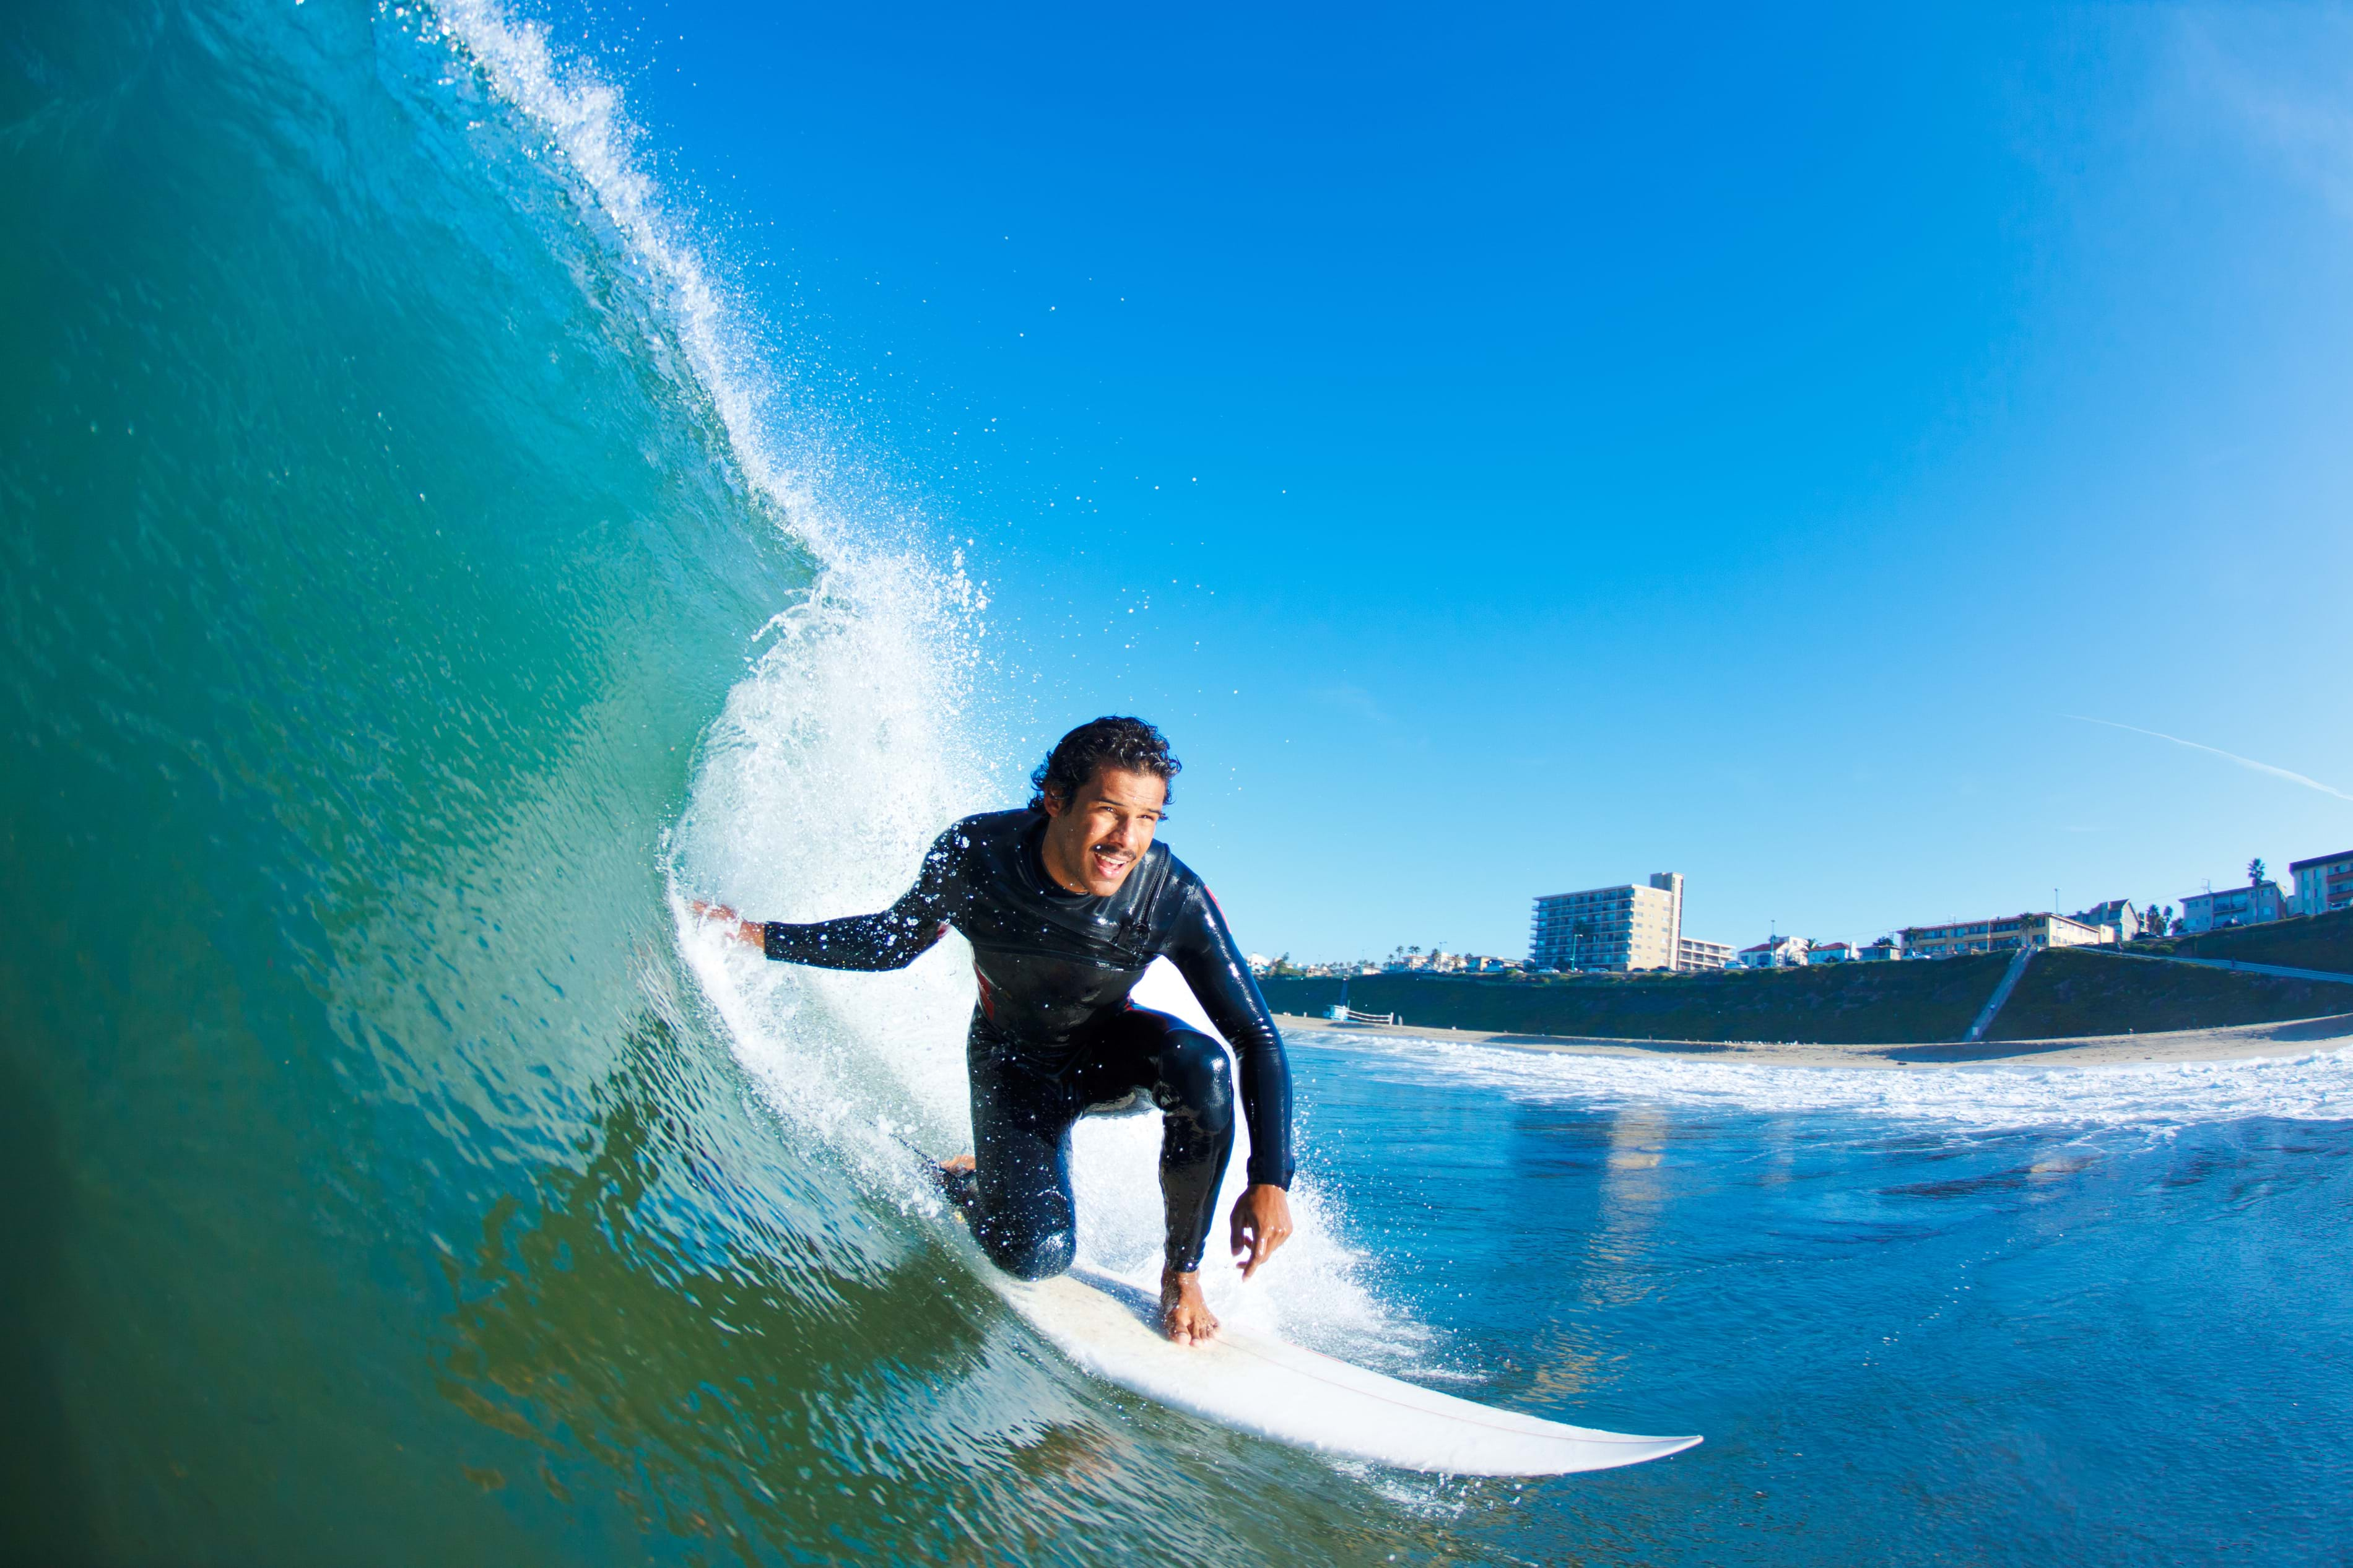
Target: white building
1781 953
2252 905
1621 928
2323 883
1695 957
1832 952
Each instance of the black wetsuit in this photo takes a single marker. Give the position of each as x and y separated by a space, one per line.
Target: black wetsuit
1055 1036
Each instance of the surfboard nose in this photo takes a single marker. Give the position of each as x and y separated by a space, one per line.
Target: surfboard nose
1534 1446
1625 1449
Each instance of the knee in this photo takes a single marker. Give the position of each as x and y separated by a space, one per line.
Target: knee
1030 1255
1199 1081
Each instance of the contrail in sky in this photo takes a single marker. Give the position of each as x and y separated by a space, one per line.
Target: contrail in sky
2233 756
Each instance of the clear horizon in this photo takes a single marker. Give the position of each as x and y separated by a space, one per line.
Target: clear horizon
1885 468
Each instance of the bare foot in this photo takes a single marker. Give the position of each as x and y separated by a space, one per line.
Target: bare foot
1185 1315
961 1162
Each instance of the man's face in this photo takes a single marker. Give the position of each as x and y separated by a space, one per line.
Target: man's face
1096 839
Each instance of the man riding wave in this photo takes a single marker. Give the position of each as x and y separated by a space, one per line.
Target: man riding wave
1066 903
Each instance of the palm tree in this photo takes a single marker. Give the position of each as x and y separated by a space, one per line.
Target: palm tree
2255 872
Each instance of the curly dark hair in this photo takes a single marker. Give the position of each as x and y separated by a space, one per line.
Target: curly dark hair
1108 742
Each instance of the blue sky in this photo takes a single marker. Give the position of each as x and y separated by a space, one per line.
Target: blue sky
1512 451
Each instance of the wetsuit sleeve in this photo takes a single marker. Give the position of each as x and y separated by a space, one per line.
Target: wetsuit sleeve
891 940
1204 953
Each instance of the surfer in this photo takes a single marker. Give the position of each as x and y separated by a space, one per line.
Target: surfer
1065 904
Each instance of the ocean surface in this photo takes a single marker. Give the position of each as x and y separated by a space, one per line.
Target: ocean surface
424 568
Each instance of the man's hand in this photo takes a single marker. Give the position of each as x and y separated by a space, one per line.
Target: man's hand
1262 1224
751 933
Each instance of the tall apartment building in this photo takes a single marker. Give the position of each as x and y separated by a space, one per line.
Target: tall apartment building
1610 928
2323 883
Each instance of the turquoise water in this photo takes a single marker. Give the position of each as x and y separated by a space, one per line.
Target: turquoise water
419 571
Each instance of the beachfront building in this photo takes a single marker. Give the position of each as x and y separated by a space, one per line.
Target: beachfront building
1778 952
2119 914
2002 934
1695 957
2252 905
2323 883
1440 962
1834 952
1621 928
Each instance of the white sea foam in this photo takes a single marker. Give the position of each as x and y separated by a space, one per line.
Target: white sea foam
778 448
2313 1086
850 742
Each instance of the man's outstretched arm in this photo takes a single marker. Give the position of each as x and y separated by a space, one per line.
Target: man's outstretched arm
893 939
1204 954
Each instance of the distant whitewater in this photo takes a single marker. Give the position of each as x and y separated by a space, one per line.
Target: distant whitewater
2312 1086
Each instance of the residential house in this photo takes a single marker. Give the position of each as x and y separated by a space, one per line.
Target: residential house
2116 913
2254 904
1780 953
2323 883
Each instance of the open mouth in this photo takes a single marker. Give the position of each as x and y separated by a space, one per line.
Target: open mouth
1109 865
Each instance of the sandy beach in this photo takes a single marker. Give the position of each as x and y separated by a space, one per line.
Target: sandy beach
2288 1039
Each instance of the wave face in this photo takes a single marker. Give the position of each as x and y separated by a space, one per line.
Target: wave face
411 568
421 572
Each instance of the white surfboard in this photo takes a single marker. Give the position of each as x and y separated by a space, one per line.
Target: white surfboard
1260 1384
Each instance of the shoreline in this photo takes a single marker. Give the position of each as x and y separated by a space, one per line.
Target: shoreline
2238 1043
